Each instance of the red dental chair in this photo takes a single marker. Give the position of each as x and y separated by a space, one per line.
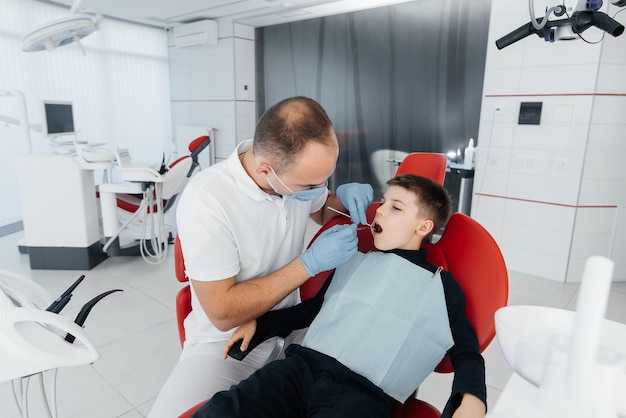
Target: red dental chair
133 211
183 167
465 249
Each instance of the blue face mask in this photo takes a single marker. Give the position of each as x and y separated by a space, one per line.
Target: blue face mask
307 195
301 195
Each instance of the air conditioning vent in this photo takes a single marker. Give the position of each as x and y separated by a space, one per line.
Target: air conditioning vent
200 33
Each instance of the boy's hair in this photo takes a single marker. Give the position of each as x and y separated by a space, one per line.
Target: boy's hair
431 198
287 126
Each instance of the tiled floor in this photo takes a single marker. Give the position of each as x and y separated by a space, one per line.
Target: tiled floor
136 334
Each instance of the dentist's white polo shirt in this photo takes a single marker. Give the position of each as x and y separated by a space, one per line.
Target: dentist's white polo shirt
228 226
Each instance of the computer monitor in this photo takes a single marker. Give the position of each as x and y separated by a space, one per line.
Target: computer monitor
58 118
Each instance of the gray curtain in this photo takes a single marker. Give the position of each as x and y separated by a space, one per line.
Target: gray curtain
406 77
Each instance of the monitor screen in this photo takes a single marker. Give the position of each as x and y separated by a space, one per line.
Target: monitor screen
59 118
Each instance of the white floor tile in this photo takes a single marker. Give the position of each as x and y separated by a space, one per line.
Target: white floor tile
144 409
163 291
525 289
129 364
616 307
81 392
497 369
436 389
132 414
129 313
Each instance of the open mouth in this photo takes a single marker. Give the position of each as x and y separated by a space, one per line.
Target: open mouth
377 228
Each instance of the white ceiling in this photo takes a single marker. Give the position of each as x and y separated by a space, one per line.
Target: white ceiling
257 13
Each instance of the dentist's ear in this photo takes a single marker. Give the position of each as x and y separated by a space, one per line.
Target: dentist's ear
263 169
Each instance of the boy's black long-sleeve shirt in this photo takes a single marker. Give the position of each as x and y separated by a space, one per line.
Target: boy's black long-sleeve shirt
468 363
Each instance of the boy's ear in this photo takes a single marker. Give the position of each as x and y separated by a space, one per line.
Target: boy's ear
425 227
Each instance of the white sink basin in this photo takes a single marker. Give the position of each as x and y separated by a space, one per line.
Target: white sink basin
571 364
524 334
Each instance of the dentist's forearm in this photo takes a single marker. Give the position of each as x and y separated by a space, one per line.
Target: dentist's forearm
229 304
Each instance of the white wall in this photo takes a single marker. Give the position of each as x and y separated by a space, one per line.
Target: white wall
119 88
213 86
550 193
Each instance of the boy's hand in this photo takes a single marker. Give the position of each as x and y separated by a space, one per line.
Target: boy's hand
471 407
245 332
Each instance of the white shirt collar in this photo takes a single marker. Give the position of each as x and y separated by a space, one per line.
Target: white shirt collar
245 183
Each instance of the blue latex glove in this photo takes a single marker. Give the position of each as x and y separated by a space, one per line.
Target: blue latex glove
332 248
356 197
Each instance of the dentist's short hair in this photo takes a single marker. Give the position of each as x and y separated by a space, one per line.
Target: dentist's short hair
287 126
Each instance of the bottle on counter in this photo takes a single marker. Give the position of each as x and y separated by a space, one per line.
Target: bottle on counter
470 153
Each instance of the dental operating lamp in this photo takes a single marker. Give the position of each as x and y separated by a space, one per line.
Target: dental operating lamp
73 28
585 15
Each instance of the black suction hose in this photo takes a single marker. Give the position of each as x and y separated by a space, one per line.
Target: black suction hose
84 312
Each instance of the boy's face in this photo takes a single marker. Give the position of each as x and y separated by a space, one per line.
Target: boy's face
398 223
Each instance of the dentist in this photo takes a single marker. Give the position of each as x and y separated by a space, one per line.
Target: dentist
242 225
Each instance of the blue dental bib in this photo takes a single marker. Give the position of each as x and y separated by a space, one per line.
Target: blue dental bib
386 319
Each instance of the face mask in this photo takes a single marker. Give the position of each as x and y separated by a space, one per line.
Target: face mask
301 195
308 194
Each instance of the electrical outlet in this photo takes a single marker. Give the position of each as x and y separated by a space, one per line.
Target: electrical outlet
525 161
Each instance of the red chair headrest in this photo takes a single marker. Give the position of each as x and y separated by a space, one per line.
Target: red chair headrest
426 164
202 141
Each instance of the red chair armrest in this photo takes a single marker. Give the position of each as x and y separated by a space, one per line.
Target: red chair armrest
188 413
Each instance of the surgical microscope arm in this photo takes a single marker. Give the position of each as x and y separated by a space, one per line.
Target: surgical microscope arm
580 21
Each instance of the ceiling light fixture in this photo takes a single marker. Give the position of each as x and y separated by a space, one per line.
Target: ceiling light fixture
63 31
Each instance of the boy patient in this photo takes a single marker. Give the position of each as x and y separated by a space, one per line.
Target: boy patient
381 324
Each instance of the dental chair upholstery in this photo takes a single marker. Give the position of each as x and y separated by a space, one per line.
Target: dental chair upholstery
183 297
465 249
